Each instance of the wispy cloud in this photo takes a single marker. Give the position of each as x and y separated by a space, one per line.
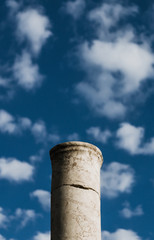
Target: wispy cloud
42 135
13 6
131 139
120 234
7 91
15 170
108 15
24 216
3 218
117 62
39 131
42 236
43 198
73 137
75 8
38 156
127 212
116 178
98 135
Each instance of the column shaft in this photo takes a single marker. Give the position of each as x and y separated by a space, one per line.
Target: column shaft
75 193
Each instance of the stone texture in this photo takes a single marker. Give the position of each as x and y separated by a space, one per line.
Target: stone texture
75 194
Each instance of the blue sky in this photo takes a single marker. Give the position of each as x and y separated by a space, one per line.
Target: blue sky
77 70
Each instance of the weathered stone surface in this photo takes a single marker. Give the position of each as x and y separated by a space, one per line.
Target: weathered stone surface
75 198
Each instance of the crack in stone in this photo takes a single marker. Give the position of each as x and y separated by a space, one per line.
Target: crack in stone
77 186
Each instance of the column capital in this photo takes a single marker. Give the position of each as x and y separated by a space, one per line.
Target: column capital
77 146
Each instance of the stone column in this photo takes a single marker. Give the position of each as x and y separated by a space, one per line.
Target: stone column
75 193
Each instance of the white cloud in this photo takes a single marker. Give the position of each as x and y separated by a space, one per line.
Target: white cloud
25 216
42 236
130 138
75 8
26 72
7 122
3 218
124 56
133 63
98 135
36 28
14 170
116 63
120 234
116 178
43 198
2 238
127 212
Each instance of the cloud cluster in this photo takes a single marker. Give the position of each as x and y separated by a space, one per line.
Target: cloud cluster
127 212
21 216
25 71
131 139
117 62
116 178
15 170
120 234
43 198
17 125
